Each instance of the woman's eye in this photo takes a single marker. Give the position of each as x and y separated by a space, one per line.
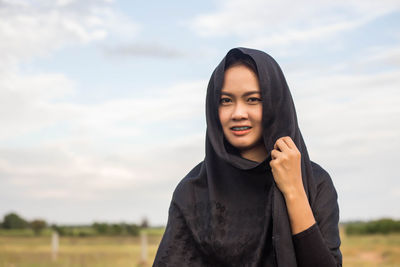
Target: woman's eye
254 99
224 100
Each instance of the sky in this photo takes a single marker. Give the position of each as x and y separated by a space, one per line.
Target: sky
102 103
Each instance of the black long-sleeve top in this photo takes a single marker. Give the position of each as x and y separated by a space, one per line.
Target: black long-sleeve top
311 249
316 246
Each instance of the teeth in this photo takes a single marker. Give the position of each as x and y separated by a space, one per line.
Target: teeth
240 128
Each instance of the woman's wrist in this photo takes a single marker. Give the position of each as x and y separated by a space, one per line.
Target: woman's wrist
299 210
295 193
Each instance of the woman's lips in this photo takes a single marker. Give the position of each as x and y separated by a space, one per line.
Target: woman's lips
238 131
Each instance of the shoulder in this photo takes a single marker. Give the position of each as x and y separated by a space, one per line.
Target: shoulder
320 174
188 183
323 182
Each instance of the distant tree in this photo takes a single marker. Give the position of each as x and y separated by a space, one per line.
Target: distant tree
59 229
116 229
101 228
133 229
82 234
38 226
13 221
144 223
382 226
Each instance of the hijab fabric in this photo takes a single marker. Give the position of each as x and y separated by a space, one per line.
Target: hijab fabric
228 211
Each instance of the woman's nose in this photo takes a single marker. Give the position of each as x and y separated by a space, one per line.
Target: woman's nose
239 112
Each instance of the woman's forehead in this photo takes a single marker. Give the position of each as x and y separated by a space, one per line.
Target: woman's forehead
240 79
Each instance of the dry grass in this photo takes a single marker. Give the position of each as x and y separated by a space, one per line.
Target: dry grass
75 251
371 250
374 250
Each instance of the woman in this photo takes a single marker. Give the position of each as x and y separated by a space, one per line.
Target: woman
256 199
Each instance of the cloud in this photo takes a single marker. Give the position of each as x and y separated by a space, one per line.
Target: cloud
382 56
350 122
275 23
107 146
64 171
152 50
30 29
25 100
165 107
291 36
32 101
54 148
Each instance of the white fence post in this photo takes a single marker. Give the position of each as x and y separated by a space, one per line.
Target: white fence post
54 245
143 236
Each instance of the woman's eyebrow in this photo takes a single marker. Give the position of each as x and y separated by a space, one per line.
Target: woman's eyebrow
226 93
251 92
245 94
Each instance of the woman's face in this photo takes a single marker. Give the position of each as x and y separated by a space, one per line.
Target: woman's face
240 109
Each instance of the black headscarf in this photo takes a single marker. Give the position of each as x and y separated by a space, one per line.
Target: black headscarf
227 211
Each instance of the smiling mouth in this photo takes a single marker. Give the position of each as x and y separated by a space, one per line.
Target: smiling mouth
243 128
241 131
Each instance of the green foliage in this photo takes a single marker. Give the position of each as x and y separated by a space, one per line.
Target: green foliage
101 228
13 221
81 231
17 232
59 229
132 229
14 225
38 226
382 226
154 231
116 229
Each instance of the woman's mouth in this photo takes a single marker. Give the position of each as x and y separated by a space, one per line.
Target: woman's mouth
242 130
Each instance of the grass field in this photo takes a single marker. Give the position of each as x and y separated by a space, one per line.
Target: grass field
371 250
102 251
30 251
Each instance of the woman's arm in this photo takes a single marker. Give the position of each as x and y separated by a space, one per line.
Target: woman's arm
310 245
299 210
286 169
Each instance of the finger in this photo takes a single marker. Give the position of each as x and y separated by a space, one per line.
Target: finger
281 145
289 142
275 154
